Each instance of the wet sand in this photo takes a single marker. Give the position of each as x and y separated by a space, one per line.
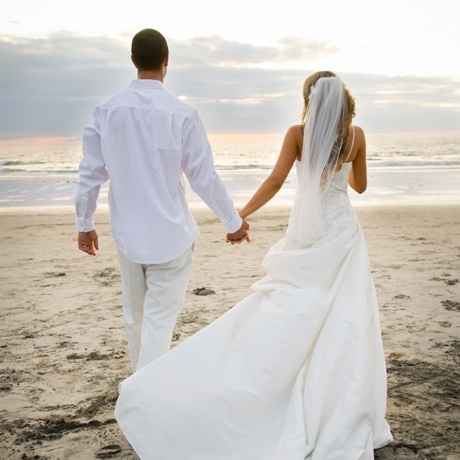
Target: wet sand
63 349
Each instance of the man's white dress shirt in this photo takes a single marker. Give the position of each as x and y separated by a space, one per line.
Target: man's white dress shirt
143 139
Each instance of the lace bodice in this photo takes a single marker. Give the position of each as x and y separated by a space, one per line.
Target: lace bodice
340 180
338 212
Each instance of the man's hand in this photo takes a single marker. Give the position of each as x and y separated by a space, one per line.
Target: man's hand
88 242
240 235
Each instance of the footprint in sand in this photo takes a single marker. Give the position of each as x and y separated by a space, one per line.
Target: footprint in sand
401 296
452 282
107 277
95 356
445 323
108 451
445 278
450 305
203 291
397 451
55 274
176 336
189 318
395 266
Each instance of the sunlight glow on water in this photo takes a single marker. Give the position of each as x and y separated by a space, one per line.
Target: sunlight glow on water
409 166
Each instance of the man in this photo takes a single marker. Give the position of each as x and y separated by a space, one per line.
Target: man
143 139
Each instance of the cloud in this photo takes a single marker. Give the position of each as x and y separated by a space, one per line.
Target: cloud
48 86
216 51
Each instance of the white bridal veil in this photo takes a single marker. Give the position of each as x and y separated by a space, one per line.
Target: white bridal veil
322 144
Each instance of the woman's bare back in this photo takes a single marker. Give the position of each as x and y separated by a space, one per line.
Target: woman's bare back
354 152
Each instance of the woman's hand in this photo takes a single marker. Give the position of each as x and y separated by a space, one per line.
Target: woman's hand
240 235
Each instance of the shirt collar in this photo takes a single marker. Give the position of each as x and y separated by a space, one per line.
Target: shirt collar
145 83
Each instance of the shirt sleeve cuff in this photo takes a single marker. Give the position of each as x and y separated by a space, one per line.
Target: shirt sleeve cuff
234 224
84 225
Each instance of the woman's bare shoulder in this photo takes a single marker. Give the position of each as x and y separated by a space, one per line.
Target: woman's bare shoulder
295 132
359 143
295 136
358 131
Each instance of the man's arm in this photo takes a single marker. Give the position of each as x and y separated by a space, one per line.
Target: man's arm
92 174
198 165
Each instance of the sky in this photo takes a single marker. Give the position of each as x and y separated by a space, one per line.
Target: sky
240 63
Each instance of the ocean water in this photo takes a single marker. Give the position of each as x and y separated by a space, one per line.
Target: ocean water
403 167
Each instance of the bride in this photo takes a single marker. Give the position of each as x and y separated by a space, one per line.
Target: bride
295 370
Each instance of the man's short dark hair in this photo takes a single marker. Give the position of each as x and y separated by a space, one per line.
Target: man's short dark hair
149 50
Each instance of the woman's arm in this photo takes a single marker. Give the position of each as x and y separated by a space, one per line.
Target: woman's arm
358 174
271 185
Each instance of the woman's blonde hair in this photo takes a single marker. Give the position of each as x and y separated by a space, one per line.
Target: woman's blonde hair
349 112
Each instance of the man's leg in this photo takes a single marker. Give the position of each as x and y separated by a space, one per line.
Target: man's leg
133 297
164 299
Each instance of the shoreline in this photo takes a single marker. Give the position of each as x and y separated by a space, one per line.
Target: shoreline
198 209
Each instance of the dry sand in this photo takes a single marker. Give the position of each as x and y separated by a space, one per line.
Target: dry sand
63 349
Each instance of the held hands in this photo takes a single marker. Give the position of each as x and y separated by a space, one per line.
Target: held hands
88 242
240 235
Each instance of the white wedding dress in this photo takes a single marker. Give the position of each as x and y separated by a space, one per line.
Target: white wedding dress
296 370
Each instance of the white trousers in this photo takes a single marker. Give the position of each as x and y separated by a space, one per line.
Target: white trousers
152 297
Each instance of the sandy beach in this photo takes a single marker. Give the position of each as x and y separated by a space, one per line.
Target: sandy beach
63 349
